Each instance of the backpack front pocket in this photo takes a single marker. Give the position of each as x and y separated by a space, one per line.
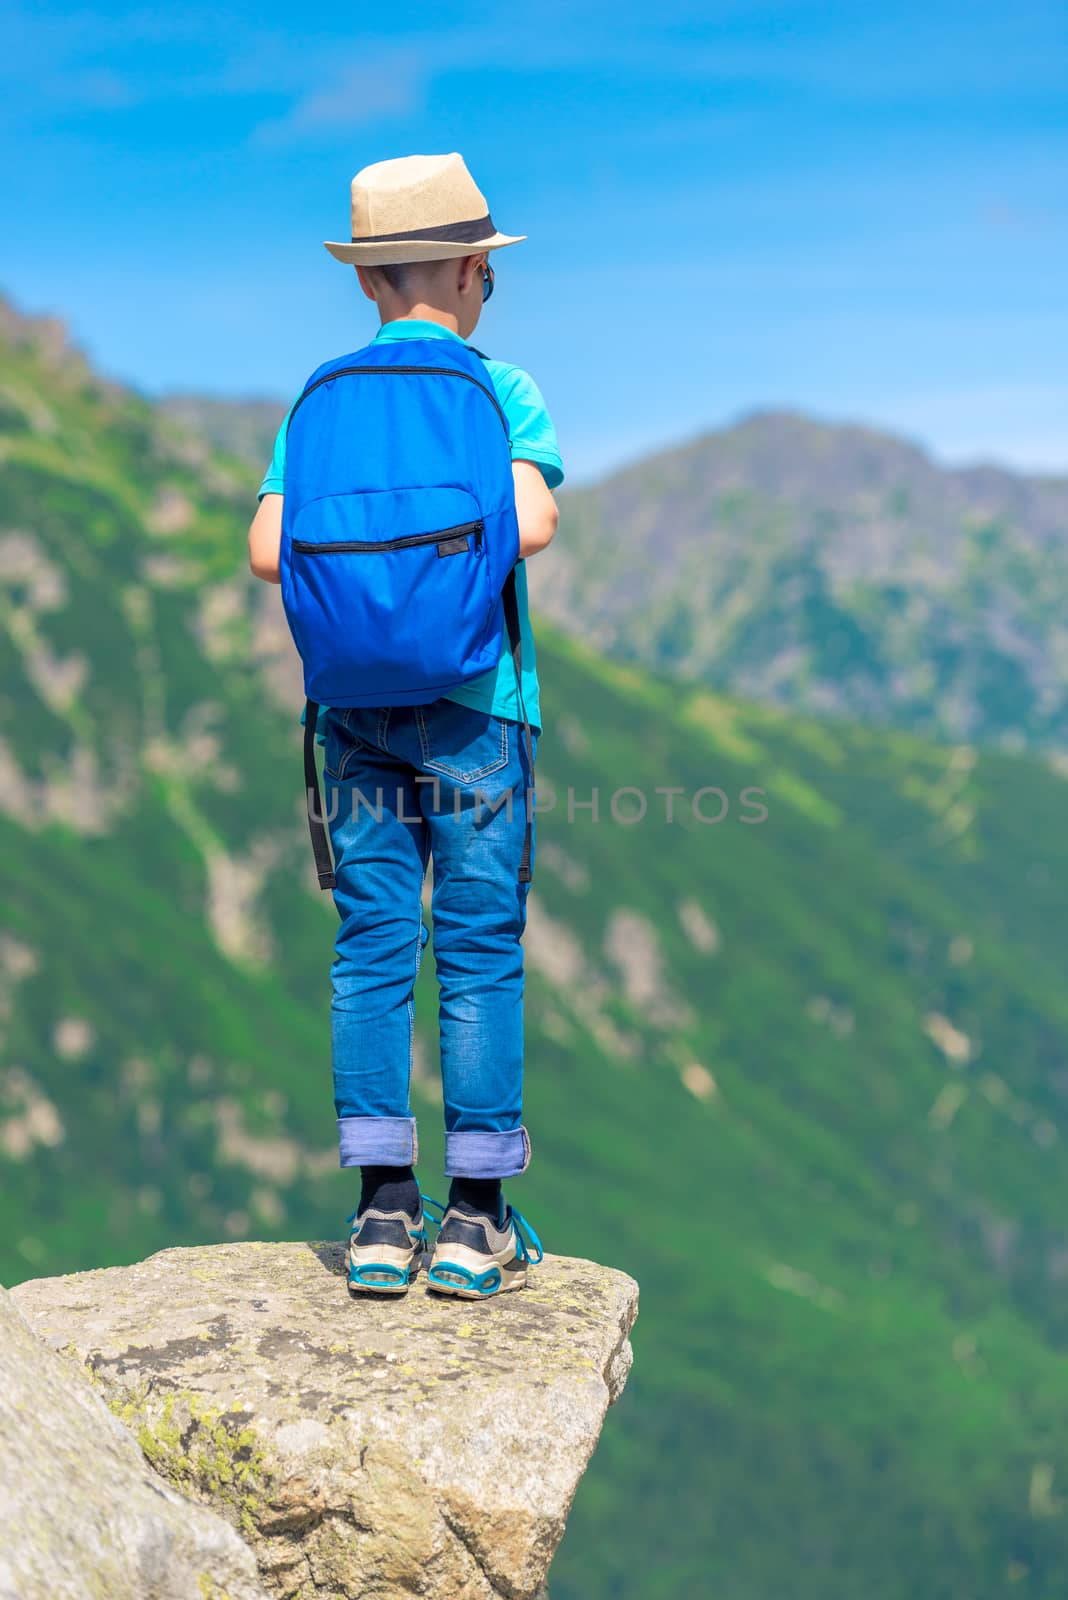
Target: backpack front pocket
450 542
393 592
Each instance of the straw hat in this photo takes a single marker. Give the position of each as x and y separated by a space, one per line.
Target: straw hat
418 208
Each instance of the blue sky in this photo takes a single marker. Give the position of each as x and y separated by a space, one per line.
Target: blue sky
857 210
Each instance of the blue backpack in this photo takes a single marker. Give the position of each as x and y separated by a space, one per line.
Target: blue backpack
399 537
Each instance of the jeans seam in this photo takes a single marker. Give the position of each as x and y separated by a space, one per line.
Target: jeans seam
344 718
420 723
418 963
350 755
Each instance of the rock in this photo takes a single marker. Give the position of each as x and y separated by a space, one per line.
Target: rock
82 1513
412 1446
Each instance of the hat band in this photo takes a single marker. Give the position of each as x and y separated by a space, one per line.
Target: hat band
446 233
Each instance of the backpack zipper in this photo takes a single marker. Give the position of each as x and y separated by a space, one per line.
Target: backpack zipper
308 547
449 372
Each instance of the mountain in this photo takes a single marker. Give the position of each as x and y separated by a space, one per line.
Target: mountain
242 428
802 1070
833 570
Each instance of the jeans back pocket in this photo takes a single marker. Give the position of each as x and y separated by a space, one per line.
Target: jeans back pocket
461 743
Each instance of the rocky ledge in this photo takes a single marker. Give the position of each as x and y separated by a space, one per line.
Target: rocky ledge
368 1447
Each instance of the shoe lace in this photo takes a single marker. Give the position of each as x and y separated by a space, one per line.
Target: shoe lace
526 1245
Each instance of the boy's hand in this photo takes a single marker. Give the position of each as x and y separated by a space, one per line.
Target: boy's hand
265 539
535 506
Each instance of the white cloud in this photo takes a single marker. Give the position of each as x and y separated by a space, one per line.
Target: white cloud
353 97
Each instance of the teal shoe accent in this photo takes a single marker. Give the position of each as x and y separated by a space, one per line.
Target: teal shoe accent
382 1269
445 1277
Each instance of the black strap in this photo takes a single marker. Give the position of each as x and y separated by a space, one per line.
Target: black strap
324 865
511 617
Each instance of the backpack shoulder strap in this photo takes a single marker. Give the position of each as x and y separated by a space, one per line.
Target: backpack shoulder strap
324 865
515 639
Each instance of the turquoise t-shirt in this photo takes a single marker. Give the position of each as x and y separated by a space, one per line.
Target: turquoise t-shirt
533 437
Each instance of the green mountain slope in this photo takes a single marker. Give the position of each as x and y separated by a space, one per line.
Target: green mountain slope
836 570
805 1076
242 428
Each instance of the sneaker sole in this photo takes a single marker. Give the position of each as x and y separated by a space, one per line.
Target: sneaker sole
379 1290
516 1279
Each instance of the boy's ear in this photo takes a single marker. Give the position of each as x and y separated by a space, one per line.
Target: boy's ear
365 283
466 272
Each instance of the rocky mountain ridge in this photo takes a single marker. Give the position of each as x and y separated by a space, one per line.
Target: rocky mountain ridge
833 569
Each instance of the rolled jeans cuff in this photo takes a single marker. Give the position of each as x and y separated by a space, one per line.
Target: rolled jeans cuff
479 1154
377 1141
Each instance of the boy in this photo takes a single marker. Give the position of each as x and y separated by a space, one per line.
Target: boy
446 779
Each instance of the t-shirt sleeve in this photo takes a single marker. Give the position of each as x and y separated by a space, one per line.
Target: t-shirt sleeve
275 476
530 426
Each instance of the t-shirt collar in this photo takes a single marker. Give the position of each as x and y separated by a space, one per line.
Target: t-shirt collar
415 328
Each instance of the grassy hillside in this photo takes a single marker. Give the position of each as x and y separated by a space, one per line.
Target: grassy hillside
834 570
805 1077
242 428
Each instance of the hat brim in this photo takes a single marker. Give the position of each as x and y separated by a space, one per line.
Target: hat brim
383 254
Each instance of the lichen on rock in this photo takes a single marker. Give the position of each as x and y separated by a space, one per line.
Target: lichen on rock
82 1513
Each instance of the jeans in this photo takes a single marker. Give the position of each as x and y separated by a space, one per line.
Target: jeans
402 784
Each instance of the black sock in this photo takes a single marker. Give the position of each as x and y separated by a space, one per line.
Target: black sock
482 1195
388 1189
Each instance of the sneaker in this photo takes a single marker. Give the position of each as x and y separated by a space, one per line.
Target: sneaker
475 1258
386 1248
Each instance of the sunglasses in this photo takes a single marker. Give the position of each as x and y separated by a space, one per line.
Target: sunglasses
487 281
